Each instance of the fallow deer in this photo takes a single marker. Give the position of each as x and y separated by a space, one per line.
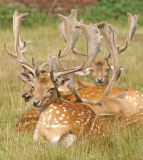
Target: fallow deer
100 68
84 93
63 122
27 75
93 92
68 126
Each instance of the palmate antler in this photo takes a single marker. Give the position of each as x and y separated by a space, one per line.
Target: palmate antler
20 47
69 33
132 20
110 39
93 40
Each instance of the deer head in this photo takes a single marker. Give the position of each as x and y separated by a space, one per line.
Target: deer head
93 39
28 73
100 68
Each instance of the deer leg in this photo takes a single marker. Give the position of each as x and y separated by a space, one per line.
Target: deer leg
68 140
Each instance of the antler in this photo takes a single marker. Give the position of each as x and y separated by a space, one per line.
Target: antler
69 32
132 20
93 40
110 39
17 19
20 47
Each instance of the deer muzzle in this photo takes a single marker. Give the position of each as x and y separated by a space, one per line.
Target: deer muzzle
36 103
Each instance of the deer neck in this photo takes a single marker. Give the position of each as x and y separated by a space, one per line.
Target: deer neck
41 109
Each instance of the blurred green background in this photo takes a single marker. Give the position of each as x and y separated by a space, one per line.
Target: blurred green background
103 10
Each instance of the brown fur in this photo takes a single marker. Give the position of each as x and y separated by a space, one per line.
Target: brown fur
80 121
94 94
100 69
58 120
27 122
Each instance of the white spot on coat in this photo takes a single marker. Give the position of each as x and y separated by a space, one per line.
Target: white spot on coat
63 115
57 112
49 117
60 118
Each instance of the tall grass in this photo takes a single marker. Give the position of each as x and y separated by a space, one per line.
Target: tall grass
121 144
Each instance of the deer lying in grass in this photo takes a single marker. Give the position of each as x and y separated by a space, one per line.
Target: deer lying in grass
70 124
64 122
53 123
100 68
96 93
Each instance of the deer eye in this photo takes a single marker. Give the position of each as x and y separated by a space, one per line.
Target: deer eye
107 69
51 89
98 104
32 87
91 70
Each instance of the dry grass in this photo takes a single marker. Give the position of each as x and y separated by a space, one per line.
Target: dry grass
126 144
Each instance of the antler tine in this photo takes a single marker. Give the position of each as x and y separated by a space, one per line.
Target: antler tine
17 19
133 25
63 36
63 32
93 40
69 32
44 64
132 20
18 57
110 39
75 51
72 70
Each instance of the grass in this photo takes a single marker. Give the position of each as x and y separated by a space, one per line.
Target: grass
121 144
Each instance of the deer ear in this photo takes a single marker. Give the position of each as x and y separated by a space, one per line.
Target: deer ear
62 82
28 78
84 72
121 68
121 95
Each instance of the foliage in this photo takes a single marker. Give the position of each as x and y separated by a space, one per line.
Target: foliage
36 17
109 10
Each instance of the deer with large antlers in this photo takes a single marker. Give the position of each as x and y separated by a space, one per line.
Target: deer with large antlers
100 68
91 93
95 94
63 121
28 75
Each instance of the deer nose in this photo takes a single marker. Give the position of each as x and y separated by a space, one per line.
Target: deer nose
99 80
24 94
36 103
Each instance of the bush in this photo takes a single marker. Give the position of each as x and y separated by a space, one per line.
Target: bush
109 10
35 16
104 10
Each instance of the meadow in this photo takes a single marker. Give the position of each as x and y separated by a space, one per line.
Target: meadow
122 144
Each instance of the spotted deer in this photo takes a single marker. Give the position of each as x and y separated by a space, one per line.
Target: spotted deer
84 93
134 120
27 76
100 68
93 92
59 120
70 126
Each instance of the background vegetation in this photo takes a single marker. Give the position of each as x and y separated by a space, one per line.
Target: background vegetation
104 10
121 144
